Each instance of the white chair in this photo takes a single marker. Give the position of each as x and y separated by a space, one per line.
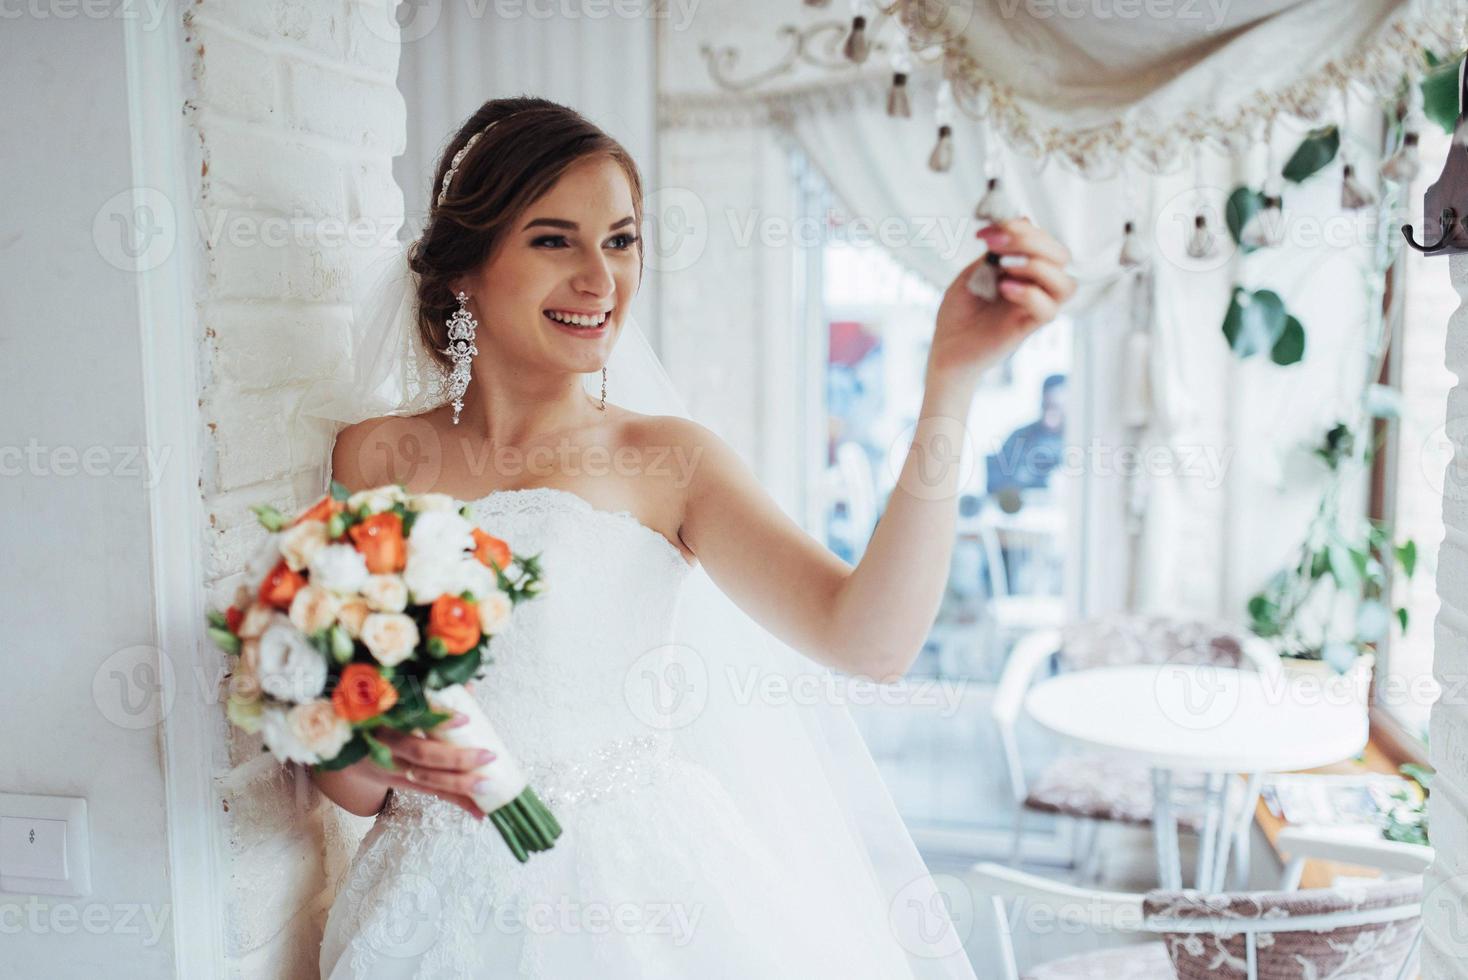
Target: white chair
1093 788
1356 844
1370 931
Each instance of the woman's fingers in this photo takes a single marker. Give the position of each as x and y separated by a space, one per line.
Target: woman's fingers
430 753
1031 298
1043 273
1025 238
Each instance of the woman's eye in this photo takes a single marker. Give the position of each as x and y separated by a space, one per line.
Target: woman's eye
630 241
627 240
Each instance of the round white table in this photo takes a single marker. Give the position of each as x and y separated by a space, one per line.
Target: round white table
1216 721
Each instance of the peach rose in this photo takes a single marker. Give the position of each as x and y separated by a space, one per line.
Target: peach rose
351 615
300 541
380 540
455 621
389 637
281 585
491 550
314 609
319 728
494 611
362 693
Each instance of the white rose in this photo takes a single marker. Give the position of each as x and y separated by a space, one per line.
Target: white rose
340 568
494 611
426 502
291 669
313 609
281 739
318 728
377 499
440 534
390 637
473 576
428 577
385 593
300 542
259 618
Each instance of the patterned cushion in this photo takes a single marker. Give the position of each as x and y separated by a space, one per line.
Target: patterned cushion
1125 639
1104 787
1147 961
1348 952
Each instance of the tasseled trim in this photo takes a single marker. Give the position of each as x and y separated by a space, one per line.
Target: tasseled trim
942 156
995 206
898 104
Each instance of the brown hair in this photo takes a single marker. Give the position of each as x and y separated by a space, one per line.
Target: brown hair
508 168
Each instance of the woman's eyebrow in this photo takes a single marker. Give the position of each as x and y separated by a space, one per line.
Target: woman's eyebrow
570 225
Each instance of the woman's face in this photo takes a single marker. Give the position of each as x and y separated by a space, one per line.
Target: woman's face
574 252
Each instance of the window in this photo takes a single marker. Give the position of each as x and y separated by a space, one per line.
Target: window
870 321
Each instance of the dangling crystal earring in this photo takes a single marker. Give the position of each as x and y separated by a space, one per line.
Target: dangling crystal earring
462 326
603 405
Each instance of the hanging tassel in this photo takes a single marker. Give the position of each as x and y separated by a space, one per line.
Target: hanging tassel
942 156
1404 165
1201 242
1133 249
1265 228
857 48
983 282
898 104
995 205
1354 194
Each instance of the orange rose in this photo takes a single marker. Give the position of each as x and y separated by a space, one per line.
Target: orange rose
380 540
321 510
491 550
455 622
281 586
362 693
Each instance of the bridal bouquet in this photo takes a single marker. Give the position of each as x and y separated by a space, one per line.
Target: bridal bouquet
375 608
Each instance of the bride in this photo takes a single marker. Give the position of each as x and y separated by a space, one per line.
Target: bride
717 823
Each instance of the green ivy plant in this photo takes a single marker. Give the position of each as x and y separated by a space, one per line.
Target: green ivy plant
1343 558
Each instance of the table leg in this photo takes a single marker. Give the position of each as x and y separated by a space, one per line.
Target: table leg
1242 828
1215 824
1164 831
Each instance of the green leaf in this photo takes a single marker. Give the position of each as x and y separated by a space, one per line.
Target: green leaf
217 619
456 669
381 754
1313 154
1419 774
339 492
1254 321
341 645
224 639
1440 93
1407 556
1241 206
1290 347
350 753
1342 565
336 526
1402 617
270 518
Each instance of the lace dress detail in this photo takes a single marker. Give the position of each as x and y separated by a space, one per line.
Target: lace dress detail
655 874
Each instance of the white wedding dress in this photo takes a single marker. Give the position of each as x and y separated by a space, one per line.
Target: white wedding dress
656 874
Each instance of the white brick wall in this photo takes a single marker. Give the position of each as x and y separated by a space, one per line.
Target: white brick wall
1445 911
295 116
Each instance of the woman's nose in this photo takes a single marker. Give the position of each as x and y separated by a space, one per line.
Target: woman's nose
594 277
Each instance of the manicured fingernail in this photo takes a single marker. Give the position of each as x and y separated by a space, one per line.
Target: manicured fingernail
482 787
1010 286
1013 261
484 756
459 720
994 236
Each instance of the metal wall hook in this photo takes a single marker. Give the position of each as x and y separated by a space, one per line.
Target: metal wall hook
1449 196
1447 220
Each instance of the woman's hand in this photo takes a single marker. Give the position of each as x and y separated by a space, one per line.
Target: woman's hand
447 771
973 332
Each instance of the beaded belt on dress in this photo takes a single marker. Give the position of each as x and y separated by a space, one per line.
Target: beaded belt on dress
607 770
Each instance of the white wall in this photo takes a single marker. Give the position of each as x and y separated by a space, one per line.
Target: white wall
76 601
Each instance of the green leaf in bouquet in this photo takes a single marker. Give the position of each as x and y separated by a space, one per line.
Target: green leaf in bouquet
436 648
217 619
339 492
270 518
321 640
224 639
342 647
354 750
381 754
454 670
336 526
409 517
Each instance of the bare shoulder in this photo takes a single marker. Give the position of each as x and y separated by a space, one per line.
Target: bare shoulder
366 454
693 453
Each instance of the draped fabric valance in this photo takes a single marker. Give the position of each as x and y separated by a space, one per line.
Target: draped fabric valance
1105 87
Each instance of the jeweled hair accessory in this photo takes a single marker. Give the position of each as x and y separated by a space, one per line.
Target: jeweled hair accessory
458 157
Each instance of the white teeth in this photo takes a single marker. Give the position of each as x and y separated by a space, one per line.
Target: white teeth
577 320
